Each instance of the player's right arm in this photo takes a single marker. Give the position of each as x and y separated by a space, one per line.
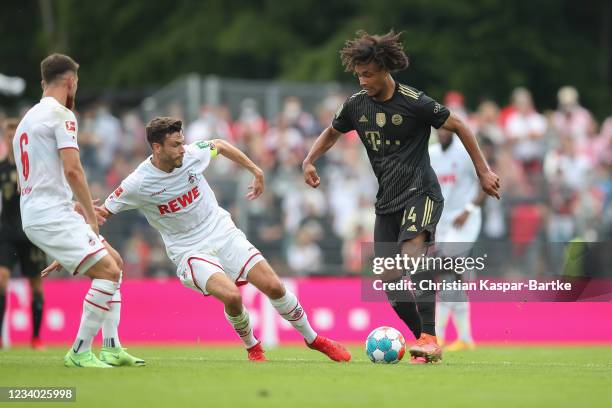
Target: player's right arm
324 142
341 124
75 175
123 198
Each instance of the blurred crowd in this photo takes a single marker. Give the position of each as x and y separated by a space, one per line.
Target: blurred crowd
555 168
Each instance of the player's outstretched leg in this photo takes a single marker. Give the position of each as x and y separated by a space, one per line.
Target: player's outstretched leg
105 275
426 346
112 352
222 288
263 277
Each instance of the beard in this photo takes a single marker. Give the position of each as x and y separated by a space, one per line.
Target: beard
70 102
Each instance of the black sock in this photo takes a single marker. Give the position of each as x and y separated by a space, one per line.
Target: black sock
407 311
405 307
2 310
37 312
426 302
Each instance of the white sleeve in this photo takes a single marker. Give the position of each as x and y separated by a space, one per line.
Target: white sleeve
203 150
66 129
125 197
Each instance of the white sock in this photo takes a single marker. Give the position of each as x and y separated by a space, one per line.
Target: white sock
462 321
290 309
95 308
242 325
110 333
443 312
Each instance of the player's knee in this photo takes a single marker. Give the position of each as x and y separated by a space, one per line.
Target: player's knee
112 271
232 298
275 289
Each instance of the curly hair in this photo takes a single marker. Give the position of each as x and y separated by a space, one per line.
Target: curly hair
385 50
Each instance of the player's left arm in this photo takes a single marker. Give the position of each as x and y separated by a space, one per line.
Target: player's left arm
237 156
488 179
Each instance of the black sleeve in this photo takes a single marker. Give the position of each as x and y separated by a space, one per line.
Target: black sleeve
432 112
342 121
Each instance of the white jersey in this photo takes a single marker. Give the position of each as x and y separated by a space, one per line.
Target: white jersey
180 204
44 130
460 186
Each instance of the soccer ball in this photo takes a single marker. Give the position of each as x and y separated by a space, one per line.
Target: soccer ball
385 345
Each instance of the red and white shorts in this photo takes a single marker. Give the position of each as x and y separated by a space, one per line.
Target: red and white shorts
234 257
70 241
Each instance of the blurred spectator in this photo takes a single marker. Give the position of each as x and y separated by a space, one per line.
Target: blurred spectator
210 125
107 129
525 129
304 255
487 123
571 119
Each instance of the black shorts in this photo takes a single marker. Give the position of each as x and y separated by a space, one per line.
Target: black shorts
421 213
15 247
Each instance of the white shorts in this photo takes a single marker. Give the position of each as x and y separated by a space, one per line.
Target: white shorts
71 242
235 256
452 241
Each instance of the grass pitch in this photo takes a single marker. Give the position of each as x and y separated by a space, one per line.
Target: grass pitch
490 377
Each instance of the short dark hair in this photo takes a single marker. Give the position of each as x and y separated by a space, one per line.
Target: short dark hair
56 65
385 50
158 128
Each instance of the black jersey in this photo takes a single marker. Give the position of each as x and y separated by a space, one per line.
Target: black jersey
11 216
396 136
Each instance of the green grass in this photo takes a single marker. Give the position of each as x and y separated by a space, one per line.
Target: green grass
491 377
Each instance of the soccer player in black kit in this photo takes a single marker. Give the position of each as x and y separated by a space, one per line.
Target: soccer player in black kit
14 245
394 122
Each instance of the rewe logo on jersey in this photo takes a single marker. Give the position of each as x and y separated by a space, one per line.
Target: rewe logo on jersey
447 178
179 203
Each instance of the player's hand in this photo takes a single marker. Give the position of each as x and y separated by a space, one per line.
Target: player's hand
101 212
490 183
55 266
310 175
256 187
461 219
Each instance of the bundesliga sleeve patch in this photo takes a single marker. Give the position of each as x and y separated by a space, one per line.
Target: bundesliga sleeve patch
70 125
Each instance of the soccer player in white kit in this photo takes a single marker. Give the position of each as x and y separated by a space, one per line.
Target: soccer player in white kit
458 228
50 173
211 254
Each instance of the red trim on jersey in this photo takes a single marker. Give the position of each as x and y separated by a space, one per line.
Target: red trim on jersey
114 301
98 306
192 274
103 292
69 147
245 265
86 256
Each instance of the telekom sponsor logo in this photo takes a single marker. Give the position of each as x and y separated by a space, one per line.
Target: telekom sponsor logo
334 307
179 203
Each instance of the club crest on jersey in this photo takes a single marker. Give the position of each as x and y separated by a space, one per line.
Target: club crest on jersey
192 177
381 119
397 119
70 125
